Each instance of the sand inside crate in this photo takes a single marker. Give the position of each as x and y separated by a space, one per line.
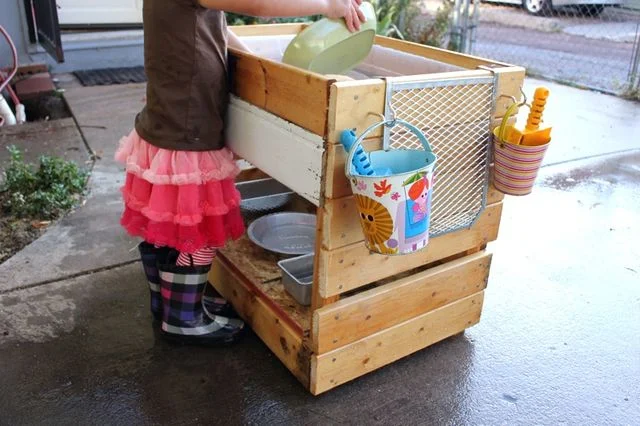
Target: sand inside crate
260 267
381 62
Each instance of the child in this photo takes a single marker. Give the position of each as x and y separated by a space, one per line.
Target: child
179 193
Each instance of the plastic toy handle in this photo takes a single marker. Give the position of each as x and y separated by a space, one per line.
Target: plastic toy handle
507 115
537 107
347 138
358 143
360 160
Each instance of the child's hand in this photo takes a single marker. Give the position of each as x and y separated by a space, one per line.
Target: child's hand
347 9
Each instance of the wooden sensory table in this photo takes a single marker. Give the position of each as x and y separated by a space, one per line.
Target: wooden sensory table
368 310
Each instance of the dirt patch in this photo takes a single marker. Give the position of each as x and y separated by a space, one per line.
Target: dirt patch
15 234
45 107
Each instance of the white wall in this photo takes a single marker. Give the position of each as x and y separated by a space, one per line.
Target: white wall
83 51
11 18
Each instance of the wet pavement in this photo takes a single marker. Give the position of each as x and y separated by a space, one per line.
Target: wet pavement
558 342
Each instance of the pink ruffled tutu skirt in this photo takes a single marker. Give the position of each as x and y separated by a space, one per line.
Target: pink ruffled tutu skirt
182 199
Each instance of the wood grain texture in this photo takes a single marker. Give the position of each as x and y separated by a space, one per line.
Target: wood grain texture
341 365
317 301
336 183
270 323
443 55
353 266
374 310
510 81
291 93
355 105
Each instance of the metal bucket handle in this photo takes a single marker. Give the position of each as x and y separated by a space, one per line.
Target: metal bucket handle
413 129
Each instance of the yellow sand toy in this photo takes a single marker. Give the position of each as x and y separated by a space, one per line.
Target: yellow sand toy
532 135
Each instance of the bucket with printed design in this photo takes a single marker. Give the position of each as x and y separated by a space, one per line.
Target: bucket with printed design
394 206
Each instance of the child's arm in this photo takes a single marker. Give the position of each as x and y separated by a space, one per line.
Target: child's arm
234 42
347 9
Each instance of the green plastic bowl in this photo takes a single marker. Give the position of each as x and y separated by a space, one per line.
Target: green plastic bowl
328 47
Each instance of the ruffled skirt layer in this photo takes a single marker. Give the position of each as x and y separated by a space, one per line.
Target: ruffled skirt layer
182 199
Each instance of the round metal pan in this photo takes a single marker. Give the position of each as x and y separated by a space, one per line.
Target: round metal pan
288 233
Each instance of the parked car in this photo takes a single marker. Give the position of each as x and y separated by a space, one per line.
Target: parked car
544 7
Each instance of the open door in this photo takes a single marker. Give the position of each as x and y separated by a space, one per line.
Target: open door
44 26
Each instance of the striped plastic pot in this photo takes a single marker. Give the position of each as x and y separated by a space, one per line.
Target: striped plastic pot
516 166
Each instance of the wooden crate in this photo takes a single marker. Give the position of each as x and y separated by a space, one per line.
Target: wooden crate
368 310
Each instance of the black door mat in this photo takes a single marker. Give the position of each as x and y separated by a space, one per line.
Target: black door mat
107 76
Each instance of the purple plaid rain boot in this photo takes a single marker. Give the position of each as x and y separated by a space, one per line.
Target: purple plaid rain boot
184 319
150 255
214 303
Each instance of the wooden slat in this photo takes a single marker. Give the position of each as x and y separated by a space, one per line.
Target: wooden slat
493 195
361 357
341 223
264 317
317 301
447 56
284 151
453 75
372 311
510 81
290 93
354 104
336 183
353 266
267 30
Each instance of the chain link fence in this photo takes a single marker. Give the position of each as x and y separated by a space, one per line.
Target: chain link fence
593 44
587 43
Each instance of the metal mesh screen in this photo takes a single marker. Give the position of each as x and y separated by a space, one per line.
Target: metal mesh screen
455 115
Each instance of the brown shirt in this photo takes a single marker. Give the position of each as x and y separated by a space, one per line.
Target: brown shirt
185 59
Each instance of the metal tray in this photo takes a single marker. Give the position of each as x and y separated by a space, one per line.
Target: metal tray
285 233
263 196
297 277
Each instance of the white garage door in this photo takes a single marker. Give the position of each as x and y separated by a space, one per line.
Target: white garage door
99 12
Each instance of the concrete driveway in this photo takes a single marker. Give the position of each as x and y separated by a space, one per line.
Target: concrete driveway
559 341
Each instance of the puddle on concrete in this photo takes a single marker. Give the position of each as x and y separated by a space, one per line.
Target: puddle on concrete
604 174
